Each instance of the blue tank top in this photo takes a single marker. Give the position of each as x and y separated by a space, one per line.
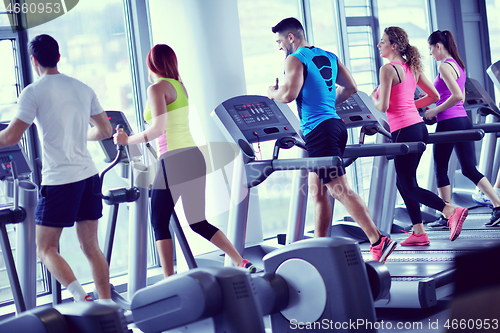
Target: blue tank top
316 100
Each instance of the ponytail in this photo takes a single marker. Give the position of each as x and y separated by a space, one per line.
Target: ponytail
409 53
413 59
446 39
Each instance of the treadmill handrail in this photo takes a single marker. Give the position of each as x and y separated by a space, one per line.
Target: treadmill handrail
381 149
265 168
352 152
456 136
488 128
309 163
487 110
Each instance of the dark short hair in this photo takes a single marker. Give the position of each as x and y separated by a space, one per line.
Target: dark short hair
45 49
288 25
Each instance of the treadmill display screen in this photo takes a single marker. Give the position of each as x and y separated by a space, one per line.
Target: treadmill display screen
347 106
245 114
253 114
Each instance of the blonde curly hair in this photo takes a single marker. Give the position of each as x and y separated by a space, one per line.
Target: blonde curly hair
409 53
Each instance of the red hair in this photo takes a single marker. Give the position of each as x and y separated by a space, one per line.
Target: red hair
162 61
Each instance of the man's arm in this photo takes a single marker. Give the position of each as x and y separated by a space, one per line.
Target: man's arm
102 127
294 79
13 133
346 86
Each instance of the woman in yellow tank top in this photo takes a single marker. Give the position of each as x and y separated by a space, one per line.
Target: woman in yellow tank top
182 169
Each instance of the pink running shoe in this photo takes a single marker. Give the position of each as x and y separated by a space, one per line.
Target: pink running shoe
456 221
383 250
248 265
416 240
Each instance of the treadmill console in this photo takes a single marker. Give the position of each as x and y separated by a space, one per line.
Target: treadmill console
357 111
117 118
476 96
494 74
254 114
13 153
256 119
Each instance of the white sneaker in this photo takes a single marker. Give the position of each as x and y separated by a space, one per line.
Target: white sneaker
481 199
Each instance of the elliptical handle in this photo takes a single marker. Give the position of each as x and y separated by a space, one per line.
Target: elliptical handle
119 149
15 177
118 128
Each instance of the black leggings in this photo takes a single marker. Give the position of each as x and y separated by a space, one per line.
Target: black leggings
406 170
465 152
180 172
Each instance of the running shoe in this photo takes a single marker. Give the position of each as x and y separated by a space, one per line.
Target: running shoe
439 224
248 265
381 251
416 240
495 218
481 199
456 221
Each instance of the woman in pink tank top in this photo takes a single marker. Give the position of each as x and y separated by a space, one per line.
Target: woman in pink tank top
395 96
451 116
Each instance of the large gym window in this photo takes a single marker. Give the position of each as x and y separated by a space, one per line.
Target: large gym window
264 63
8 98
93 45
9 86
358 26
4 17
357 8
492 11
9 92
325 24
413 17
362 57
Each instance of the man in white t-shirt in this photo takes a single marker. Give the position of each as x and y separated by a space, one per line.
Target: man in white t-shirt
71 190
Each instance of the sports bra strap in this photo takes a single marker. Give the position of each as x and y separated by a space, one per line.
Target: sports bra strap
396 72
449 63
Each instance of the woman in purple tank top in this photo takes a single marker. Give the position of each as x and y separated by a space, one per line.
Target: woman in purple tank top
451 116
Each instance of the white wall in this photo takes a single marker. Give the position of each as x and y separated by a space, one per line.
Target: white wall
206 38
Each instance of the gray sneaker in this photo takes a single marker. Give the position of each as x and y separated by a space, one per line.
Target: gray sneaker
495 218
439 224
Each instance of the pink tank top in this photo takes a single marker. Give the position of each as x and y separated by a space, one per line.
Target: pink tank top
402 111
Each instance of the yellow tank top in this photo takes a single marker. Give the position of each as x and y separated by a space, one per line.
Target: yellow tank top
177 134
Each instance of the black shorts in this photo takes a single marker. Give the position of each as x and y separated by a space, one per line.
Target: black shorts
329 138
62 205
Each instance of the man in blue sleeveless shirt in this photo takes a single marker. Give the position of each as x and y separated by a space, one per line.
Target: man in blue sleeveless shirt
317 81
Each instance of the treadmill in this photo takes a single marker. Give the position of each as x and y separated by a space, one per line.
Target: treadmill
422 275
245 120
485 115
17 206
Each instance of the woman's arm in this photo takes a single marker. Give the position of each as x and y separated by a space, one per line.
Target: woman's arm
159 95
448 75
386 76
431 94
